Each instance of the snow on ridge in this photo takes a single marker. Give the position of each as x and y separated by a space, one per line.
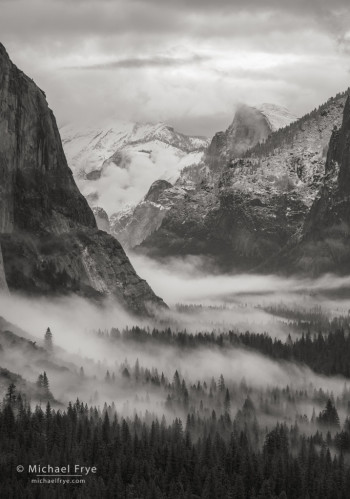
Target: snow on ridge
88 146
277 116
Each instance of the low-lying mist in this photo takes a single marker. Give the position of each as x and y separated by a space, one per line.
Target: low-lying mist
210 303
187 280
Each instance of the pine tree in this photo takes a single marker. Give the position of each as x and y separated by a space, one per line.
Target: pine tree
48 411
227 401
176 382
46 384
40 381
43 385
137 370
48 340
222 386
105 428
329 416
10 397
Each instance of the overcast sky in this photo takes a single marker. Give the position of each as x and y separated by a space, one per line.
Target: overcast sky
184 62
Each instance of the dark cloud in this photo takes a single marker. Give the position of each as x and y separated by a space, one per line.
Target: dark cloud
57 19
205 55
146 62
60 18
205 5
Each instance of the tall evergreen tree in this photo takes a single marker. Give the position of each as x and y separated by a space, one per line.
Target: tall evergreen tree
48 340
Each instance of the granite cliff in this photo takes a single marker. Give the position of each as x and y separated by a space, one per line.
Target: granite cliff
323 244
250 126
48 234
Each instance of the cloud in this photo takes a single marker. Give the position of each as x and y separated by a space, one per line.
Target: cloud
194 59
127 183
148 62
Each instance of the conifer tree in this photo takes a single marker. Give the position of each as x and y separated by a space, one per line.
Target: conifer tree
48 340
10 397
329 416
227 401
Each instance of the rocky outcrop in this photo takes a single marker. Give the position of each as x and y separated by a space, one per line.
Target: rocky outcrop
323 245
38 191
101 218
249 127
133 225
237 229
156 189
48 233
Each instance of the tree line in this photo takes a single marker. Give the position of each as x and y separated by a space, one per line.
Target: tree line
207 458
326 354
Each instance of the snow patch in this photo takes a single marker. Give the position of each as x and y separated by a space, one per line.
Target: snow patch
277 116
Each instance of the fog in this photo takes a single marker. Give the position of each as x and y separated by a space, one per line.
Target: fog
128 182
214 302
74 322
187 280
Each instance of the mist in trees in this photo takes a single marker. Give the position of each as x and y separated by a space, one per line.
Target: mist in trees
165 412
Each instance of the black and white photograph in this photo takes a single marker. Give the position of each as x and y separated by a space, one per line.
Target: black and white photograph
174 249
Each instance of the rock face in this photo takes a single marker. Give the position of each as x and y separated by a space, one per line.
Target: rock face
156 189
3 283
101 218
133 225
240 211
38 190
48 234
250 126
324 242
247 129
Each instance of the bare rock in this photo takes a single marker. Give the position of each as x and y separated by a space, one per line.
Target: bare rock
48 234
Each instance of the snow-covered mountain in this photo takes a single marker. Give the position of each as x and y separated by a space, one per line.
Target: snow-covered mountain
115 163
323 243
251 125
247 198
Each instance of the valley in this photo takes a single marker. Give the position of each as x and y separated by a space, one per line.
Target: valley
174 310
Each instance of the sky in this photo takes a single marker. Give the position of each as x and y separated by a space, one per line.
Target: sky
187 63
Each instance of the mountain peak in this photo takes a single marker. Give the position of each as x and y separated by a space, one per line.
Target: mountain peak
276 115
3 51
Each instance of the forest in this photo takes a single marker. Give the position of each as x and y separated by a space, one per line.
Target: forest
325 353
155 426
209 457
